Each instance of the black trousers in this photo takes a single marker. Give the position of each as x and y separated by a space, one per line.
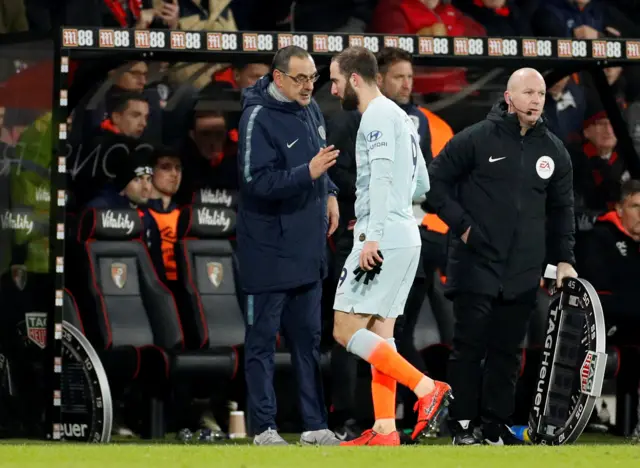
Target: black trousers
484 363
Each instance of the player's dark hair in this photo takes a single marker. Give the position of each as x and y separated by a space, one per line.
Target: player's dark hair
283 57
628 188
358 60
121 100
391 55
163 151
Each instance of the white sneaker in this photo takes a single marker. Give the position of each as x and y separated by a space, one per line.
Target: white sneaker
269 437
319 437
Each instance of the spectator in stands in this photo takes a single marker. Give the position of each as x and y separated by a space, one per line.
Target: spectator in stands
564 109
242 74
13 16
582 19
161 213
96 105
129 115
210 156
609 258
598 169
139 14
425 17
500 18
258 15
201 15
633 123
287 208
131 186
349 16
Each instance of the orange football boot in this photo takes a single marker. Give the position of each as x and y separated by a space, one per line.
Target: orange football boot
369 437
430 406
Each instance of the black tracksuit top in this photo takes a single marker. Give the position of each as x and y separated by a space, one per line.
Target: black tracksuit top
516 194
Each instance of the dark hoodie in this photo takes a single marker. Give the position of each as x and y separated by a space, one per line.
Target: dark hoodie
558 18
109 198
505 186
609 259
282 213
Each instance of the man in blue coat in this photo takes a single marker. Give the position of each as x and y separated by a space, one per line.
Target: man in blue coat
287 208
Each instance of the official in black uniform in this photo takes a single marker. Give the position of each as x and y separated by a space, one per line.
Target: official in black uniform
504 186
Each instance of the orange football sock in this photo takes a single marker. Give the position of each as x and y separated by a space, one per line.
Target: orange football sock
383 392
388 361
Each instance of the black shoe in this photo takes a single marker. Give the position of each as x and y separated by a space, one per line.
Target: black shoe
463 436
499 434
348 431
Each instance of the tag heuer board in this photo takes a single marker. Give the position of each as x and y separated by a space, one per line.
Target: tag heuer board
87 410
572 365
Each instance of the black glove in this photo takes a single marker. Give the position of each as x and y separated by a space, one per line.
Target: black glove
359 272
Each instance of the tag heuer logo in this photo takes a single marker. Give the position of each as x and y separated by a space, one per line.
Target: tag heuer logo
119 274
19 275
36 323
215 273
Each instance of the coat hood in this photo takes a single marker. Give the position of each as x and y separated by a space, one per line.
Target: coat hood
258 95
500 115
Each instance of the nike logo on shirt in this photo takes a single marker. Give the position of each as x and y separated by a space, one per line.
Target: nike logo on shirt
492 159
289 145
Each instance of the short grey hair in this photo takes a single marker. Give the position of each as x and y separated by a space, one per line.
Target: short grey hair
283 57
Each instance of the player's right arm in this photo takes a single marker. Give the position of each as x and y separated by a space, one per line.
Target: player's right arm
454 162
258 159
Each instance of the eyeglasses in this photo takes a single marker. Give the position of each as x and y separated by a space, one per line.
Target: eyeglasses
302 79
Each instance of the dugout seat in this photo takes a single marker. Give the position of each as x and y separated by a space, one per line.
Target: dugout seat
71 312
137 304
132 307
207 270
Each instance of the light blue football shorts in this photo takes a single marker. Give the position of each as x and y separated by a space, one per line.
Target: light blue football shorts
387 294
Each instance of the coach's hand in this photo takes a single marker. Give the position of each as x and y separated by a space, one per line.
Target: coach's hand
370 256
333 213
564 270
322 161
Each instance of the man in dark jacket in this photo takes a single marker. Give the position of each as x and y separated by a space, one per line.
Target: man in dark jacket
609 258
131 186
496 184
285 200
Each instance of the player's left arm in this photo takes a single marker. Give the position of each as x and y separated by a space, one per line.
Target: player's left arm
380 135
560 215
421 173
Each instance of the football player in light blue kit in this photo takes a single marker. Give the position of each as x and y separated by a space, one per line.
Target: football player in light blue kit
377 275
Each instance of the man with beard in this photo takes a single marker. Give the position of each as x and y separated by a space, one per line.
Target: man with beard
131 187
379 271
286 210
395 80
503 186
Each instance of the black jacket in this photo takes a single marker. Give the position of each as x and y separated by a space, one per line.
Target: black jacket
609 259
504 186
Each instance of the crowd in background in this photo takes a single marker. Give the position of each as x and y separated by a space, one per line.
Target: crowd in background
171 119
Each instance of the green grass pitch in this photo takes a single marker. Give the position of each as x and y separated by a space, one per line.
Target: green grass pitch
590 451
